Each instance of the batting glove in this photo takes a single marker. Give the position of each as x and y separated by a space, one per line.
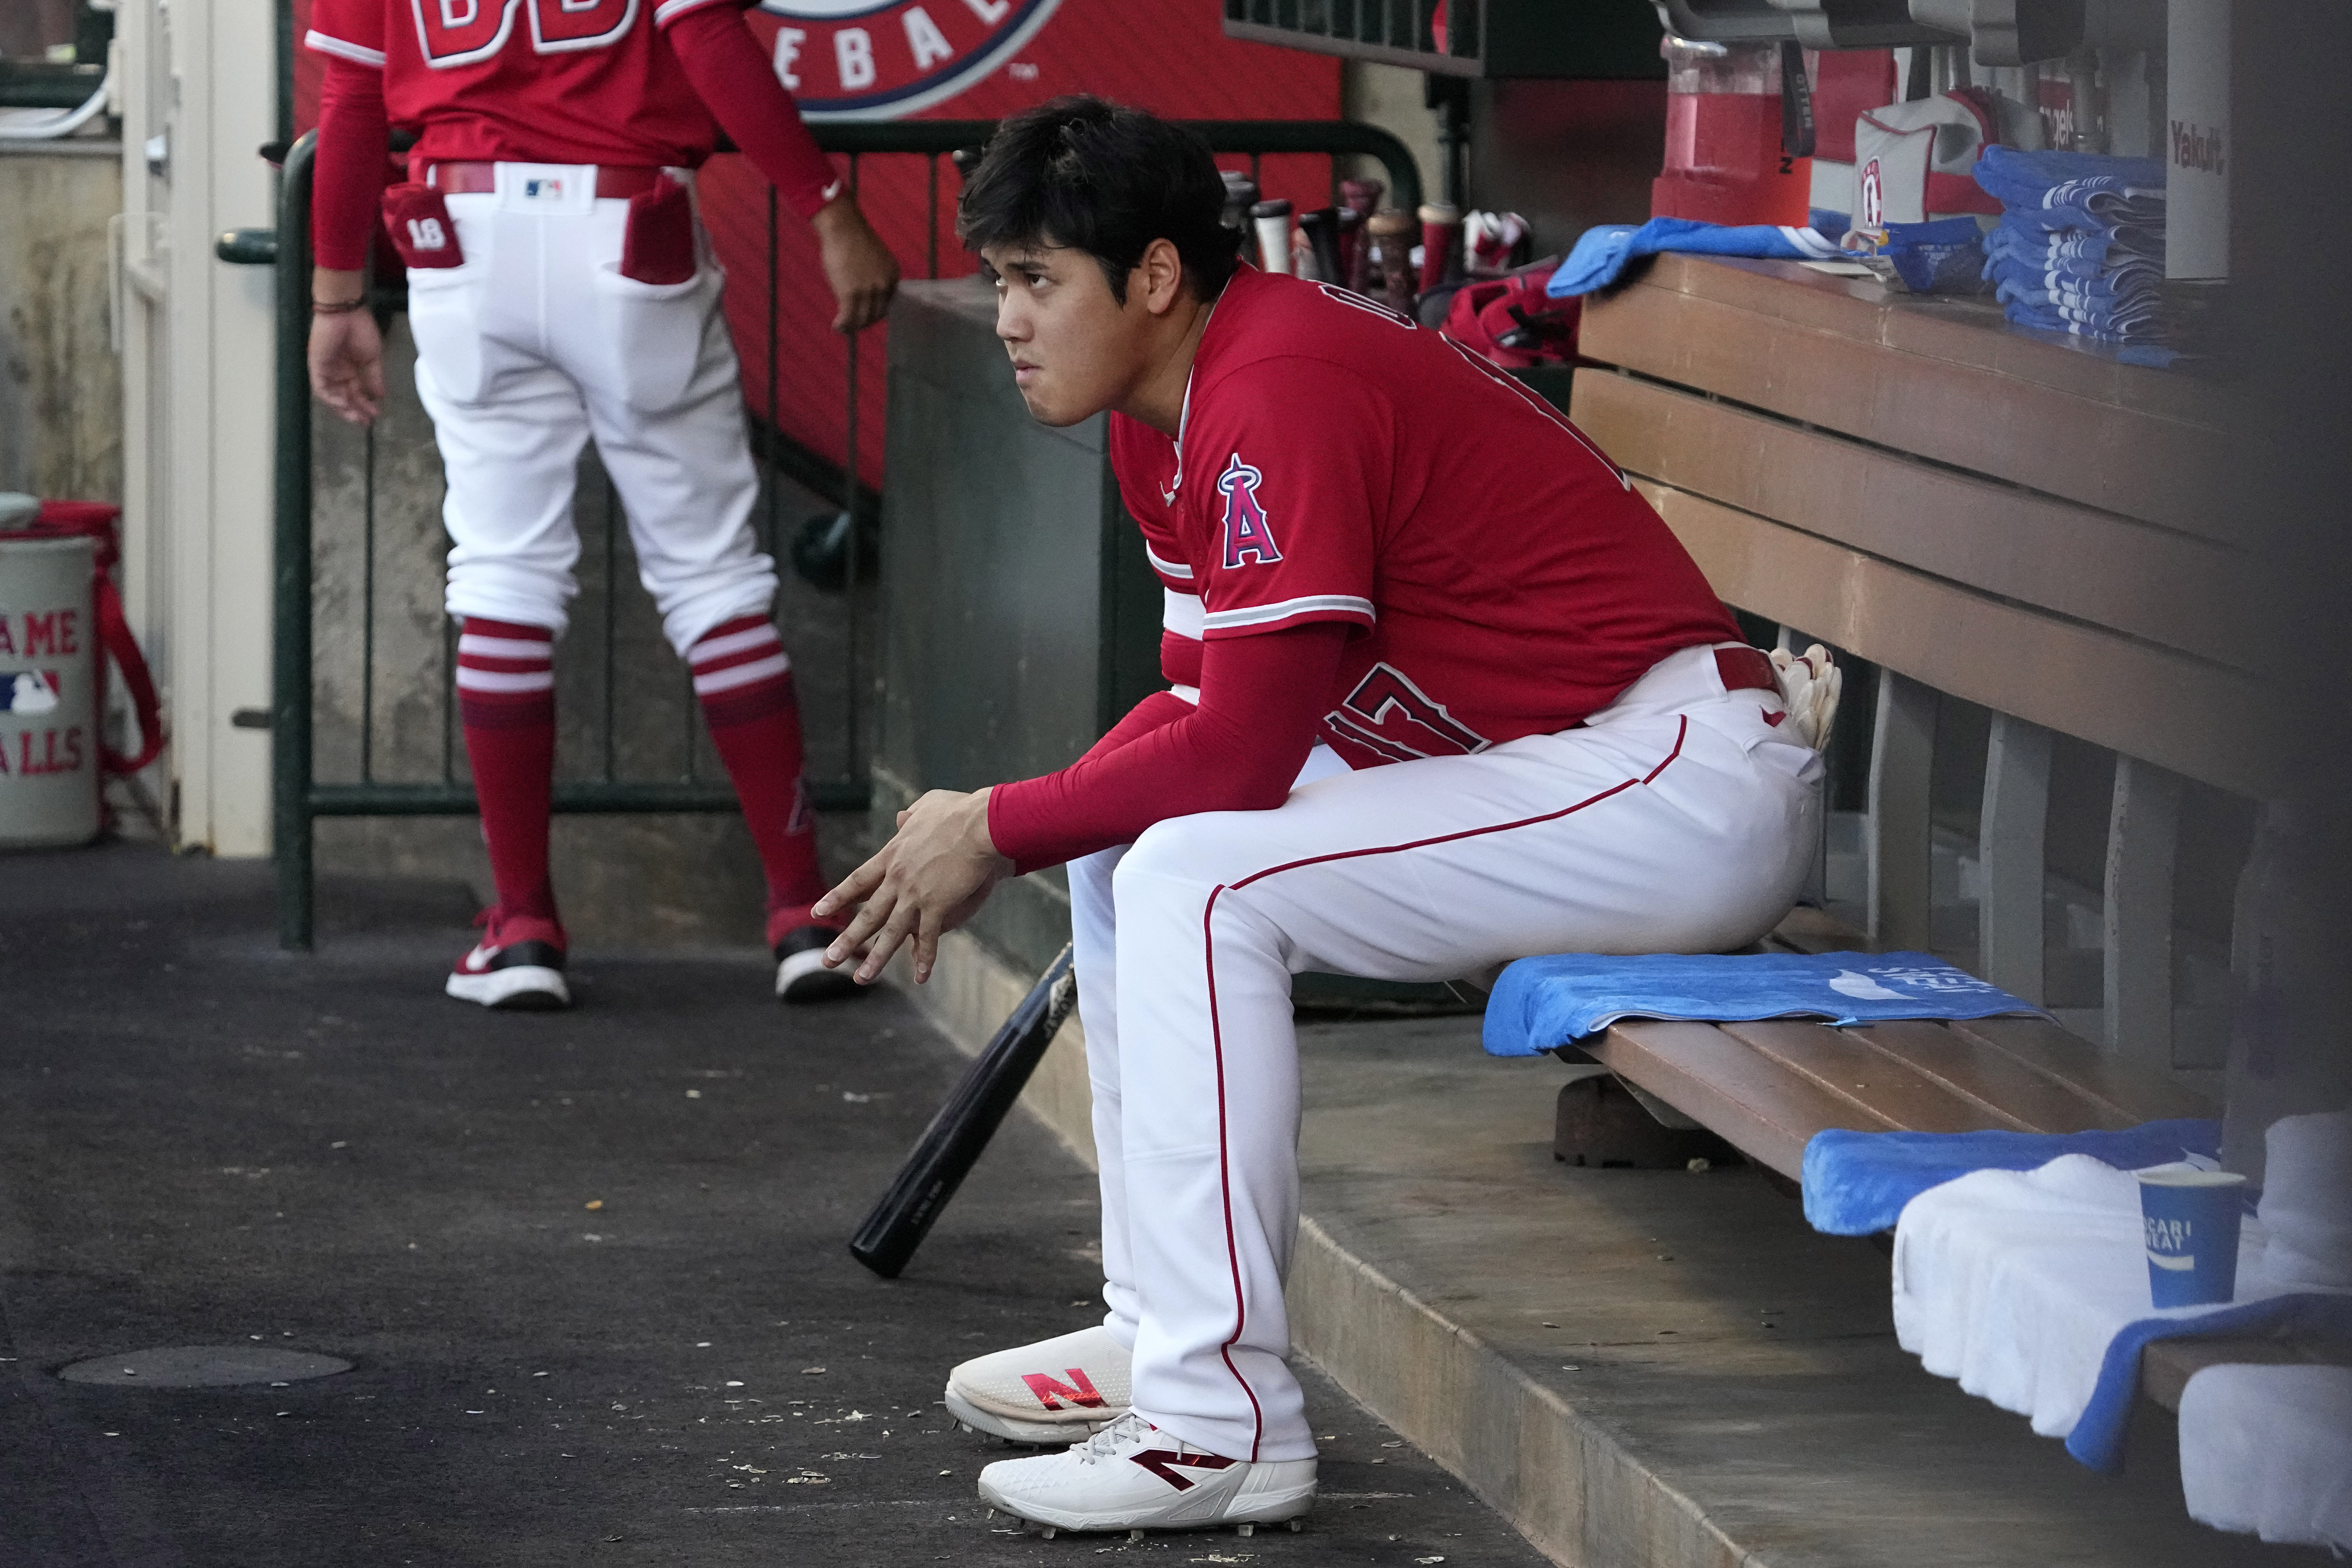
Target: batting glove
1809 685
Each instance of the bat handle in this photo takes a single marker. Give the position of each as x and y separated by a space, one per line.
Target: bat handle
957 1136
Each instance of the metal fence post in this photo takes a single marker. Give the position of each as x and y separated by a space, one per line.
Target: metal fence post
289 731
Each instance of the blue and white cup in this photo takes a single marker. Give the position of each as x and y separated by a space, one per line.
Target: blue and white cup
2191 1218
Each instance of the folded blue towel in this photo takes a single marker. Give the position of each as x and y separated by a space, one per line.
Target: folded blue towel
2051 181
2098 1436
1601 254
1542 1002
2078 253
1857 1182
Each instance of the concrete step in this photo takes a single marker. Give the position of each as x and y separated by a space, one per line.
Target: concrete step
1638 1368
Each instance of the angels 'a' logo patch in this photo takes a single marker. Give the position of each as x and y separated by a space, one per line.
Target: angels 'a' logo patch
1248 536
877 60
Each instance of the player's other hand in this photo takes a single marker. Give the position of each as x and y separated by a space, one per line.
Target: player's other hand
932 875
858 267
346 353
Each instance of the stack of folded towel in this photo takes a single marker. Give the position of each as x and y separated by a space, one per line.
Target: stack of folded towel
2080 245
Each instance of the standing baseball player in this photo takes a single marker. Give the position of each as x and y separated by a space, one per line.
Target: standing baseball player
1445 692
561 288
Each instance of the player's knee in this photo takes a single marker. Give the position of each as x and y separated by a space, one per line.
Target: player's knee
1175 850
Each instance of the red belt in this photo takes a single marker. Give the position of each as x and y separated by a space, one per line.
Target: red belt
475 178
1744 669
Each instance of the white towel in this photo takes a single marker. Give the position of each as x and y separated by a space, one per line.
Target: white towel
2306 1206
2014 1281
2267 1450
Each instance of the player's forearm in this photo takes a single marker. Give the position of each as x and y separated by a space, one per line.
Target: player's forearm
347 181
728 73
1260 698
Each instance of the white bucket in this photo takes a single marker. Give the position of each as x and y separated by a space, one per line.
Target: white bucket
48 687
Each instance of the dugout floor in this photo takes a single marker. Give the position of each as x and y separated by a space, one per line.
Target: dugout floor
588 1266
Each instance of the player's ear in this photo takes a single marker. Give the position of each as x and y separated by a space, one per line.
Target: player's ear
1164 276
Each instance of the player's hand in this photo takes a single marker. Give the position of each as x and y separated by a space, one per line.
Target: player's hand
858 267
932 875
347 364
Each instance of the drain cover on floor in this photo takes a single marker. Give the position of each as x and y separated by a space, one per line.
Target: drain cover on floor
202 1366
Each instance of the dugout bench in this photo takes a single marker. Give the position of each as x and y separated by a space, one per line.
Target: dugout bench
2048 767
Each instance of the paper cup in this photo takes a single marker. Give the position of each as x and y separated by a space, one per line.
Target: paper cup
2191 1220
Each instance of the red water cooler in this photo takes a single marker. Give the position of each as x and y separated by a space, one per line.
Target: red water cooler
1725 162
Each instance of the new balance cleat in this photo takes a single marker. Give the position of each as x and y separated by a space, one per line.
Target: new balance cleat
1056 1391
518 966
1132 1475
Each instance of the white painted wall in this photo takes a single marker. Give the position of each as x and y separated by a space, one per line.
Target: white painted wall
197 345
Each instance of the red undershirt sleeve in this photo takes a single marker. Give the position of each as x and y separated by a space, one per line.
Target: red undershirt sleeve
347 184
733 79
1261 699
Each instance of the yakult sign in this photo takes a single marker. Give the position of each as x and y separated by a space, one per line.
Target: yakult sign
855 59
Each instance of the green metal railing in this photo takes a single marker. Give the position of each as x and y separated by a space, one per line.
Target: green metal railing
299 799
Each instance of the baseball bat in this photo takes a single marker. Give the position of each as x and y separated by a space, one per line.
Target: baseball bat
953 1142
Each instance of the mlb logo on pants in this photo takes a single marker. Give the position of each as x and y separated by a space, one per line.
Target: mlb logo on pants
542 190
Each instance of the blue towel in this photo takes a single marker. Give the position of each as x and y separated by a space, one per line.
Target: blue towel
1602 255
2070 181
1542 1002
2078 248
1857 1182
2073 253
2098 1436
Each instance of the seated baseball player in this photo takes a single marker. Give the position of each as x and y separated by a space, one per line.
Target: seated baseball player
1444 692
561 288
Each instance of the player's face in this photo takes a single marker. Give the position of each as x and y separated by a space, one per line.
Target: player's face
1076 351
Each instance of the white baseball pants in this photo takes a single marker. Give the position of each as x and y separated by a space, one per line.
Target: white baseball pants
534 343
1678 820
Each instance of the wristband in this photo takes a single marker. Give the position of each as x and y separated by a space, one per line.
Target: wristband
337 306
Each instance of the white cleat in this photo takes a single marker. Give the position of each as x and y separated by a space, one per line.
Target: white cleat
1132 1476
1057 1391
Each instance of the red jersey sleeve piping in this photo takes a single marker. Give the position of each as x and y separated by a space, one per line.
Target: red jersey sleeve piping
1174 571
1246 619
342 50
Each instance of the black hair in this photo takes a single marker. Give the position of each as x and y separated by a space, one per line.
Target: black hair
1105 179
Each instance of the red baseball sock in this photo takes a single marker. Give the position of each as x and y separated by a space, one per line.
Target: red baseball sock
745 682
506 695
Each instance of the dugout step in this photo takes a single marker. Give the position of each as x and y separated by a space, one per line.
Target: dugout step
1665 1367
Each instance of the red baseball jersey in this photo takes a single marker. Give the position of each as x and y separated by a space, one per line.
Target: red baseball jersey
531 81
1337 463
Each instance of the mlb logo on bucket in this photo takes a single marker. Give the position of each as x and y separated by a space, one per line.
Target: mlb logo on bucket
876 60
29 691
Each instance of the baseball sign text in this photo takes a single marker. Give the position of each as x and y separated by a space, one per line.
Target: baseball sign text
857 59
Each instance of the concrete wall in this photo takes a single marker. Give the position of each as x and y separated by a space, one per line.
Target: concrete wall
61 381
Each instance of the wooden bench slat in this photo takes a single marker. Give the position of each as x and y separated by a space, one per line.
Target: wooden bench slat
1976 1071
2076 1063
2175 589
1765 1111
1870 1080
2166 1365
2215 725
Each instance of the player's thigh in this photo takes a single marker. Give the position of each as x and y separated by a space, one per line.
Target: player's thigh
511 465
1573 842
685 479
